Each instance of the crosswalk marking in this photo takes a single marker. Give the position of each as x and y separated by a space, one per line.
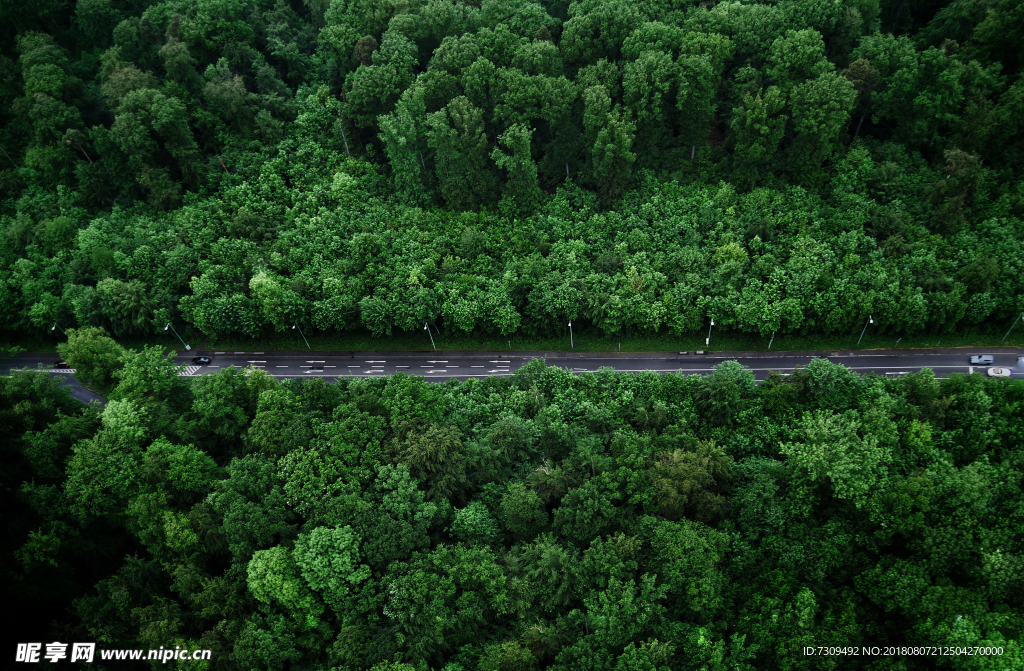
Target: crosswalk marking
189 371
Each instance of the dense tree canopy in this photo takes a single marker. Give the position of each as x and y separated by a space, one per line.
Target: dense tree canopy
500 167
540 521
239 166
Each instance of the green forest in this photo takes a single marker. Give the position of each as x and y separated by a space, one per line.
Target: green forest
237 167
595 522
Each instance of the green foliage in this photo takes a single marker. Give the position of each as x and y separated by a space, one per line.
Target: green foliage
328 559
259 167
94 355
273 578
501 168
699 541
758 127
522 191
839 448
523 512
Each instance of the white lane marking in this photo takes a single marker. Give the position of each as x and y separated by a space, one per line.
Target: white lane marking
305 366
308 361
426 366
381 361
401 366
436 361
377 366
330 366
218 352
256 361
282 366
452 366
476 366
355 366
257 352
214 366
970 369
498 361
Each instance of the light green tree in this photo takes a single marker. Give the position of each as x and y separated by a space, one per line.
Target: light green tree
837 449
94 355
273 578
329 562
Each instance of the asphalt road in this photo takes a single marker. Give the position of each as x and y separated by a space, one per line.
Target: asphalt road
440 366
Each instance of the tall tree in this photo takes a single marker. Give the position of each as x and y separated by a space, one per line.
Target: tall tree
758 127
821 112
521 190
458 137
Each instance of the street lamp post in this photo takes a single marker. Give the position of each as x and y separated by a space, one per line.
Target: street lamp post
772 340
707 341
871 320
168 326
427 329
296 327
571 344
897 342
62 330
1011 327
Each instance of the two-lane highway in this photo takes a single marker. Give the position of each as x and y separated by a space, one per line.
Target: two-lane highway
468 364
462 365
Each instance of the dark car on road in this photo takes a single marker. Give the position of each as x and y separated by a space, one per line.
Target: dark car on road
201 360
61 364
982 359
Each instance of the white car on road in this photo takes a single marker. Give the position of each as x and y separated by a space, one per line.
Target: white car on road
999 372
